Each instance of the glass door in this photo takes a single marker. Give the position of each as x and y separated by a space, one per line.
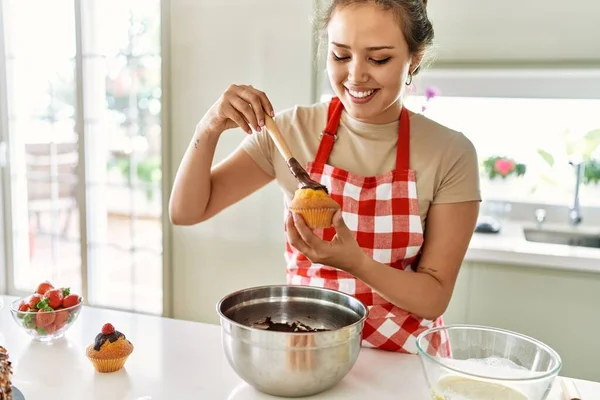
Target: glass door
82 180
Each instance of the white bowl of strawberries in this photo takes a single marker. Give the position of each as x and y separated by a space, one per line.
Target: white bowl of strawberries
48 313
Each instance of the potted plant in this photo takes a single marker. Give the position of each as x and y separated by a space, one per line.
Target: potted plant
501 177
502 167
585 149
591 174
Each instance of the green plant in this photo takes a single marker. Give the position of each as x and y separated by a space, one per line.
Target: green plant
502 167
591 173
584 148
148 171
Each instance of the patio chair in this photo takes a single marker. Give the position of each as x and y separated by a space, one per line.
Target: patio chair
52 180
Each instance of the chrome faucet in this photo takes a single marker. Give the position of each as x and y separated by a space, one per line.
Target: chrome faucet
575 210
540 217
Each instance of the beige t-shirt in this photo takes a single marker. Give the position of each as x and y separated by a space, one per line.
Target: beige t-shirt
445 161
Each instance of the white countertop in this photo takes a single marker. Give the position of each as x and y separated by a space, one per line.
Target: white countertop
175 359
510 247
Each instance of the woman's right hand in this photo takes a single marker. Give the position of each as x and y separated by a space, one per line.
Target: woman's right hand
240 106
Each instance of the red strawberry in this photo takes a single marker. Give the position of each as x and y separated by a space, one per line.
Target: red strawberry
34 299
44 319
23 306
44 287
55 297
51 328
108 329
70 301
61 319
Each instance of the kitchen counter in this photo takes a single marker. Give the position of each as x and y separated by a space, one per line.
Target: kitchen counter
510 247
176 359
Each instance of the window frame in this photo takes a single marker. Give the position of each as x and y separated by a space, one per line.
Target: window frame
5 256
532 83
7 285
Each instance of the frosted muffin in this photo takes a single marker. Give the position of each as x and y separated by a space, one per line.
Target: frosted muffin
110 350
315 206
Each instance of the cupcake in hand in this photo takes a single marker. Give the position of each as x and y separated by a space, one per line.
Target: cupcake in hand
315 206
110 350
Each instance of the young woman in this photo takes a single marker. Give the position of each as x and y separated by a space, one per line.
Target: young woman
408 187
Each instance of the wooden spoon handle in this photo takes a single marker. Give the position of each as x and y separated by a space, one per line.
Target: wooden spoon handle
569 389
277 138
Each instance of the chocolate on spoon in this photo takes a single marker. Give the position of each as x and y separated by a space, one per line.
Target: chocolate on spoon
295 168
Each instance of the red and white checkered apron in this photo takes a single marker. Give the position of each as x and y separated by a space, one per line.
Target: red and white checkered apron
383 213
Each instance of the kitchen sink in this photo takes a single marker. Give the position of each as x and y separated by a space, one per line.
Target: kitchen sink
565 237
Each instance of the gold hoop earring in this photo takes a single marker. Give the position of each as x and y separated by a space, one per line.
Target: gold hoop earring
409 80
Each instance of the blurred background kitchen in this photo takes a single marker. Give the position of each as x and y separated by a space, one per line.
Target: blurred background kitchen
99 98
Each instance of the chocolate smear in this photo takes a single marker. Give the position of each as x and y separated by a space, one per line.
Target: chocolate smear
101 339
302 176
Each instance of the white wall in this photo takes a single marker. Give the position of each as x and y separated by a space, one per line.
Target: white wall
265 43
268 43
523 31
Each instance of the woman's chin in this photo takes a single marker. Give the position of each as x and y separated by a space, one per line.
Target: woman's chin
363 112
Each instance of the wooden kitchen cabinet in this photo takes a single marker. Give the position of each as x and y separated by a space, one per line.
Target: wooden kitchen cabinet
558 307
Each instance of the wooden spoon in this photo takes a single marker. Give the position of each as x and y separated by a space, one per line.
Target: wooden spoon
296 169
569 389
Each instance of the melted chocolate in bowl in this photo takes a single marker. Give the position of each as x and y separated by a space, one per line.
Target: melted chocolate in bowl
268 325
290 361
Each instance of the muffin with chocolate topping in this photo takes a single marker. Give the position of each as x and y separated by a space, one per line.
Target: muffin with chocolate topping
110 350
315 206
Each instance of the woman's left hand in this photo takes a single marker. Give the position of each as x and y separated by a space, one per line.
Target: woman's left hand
343 252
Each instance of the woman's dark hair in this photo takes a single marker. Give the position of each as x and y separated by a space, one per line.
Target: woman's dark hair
411 16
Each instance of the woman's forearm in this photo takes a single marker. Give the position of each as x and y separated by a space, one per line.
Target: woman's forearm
191 189
418 293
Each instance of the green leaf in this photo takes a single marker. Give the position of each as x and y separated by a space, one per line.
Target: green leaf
520 169
549 179
29 320
549 158
591 142
42 304
593 135
66 291
591 174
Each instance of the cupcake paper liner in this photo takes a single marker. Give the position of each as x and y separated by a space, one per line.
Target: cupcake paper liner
108 364
316 217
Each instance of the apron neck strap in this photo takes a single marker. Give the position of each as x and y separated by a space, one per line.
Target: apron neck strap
329 135
403 147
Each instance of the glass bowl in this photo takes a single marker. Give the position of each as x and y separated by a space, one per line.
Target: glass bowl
487 363
45 326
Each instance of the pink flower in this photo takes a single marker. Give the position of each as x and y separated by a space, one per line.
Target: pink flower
504 166
431 93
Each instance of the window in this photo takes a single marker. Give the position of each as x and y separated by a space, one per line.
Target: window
529 116
522 129
82 91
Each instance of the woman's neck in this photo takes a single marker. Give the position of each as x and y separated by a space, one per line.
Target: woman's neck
389 115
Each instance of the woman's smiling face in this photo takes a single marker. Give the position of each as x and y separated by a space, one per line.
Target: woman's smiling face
368 61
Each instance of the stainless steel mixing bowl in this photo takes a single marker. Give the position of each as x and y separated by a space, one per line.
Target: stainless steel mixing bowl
291 364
